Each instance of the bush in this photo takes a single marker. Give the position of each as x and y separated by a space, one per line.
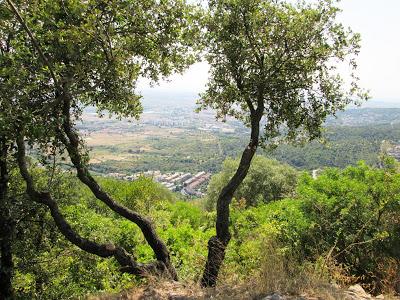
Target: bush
354 217
267 180
345 224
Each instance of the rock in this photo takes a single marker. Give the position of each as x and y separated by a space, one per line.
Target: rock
356 292
179 297
357 289
380 297
274 296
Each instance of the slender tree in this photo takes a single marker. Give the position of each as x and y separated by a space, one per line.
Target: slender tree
7 222
6 225
66 55
273 64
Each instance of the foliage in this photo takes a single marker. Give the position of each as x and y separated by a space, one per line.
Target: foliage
280 57
99 50
344 224
139 196
49 267
279 222
46 265
267 180
354 219
349 215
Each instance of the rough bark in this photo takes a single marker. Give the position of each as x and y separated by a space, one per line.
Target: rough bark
70 139
6 228
127 261
217 244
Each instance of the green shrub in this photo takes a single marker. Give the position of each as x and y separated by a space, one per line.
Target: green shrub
354 217
267 180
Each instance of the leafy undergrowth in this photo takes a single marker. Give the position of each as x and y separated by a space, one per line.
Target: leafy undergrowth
342 228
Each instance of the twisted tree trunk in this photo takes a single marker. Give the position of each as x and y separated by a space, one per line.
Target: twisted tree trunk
217 244
6 228
128 262
70 139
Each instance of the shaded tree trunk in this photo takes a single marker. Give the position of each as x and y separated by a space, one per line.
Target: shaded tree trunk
6 228
70 139
128 262
217 244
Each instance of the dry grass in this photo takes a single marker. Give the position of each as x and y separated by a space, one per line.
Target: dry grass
177 291
390 276
282 272
156 291
324 279
100 138
278 273
116 137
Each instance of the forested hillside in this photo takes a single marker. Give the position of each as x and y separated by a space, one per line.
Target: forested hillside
344 226
343 146
278 73
193 151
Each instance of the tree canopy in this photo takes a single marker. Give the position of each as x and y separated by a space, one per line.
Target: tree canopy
96 50
283 58
273 63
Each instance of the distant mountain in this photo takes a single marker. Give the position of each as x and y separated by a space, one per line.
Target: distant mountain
381 103
156 97
152 97
365 117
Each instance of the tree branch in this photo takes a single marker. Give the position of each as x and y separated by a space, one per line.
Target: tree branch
217 244
127 262
70 139
250 38
35 43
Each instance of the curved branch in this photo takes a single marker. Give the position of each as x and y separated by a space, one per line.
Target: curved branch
70 139
127 261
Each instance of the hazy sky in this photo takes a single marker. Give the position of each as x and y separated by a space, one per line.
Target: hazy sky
378 21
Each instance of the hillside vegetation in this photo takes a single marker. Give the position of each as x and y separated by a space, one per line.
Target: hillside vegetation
342 227
278 71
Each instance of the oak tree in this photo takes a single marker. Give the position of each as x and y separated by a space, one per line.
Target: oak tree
275 64
59 57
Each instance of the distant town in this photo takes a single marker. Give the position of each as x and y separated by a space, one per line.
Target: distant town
391 149
185 183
